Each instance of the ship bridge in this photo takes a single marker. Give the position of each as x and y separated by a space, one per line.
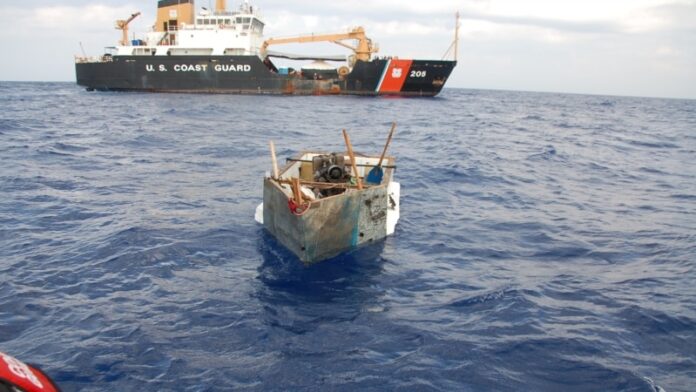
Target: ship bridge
179 30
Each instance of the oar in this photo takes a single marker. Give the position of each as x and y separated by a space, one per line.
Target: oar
376 174
274 160
352 159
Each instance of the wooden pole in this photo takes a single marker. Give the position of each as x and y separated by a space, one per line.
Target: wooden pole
321 185
358 165
352 159
391 133
275 161
296 191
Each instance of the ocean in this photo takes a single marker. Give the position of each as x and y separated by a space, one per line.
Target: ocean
547 242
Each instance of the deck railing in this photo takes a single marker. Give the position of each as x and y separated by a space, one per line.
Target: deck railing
93 59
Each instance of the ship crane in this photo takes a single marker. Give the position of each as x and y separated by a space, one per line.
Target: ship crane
363 51
123 26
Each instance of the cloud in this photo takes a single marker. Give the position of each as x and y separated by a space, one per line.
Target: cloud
375 9
45 52
63 19
55 17
573 26
679 16
397 28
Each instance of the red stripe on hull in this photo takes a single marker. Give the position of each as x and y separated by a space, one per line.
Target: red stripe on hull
395 76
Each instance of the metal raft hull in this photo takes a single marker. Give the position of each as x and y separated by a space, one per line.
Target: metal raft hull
332 224
249 75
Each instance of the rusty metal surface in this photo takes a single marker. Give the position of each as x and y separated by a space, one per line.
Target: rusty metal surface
372 224
331 226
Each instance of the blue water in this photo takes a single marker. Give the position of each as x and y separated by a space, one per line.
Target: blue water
547 243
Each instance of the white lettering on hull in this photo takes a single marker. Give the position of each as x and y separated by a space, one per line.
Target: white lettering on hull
200 68
190 67
232 68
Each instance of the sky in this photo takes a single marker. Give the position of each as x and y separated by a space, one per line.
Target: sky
606 47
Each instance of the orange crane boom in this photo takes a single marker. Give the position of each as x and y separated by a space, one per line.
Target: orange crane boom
363 51
123 26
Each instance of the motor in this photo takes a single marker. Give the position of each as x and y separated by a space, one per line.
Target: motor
330 168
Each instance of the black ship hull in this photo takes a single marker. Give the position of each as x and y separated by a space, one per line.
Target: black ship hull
251 75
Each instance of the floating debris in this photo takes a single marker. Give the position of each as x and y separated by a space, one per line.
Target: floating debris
323 204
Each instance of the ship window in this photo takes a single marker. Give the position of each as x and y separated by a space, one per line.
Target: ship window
239 20
206 21
257 26
199 21
227 21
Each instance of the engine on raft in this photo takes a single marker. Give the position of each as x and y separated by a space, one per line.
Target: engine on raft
330 168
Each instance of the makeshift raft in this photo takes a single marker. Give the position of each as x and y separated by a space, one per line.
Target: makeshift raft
318 207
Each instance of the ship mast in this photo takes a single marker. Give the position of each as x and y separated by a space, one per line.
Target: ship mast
455 43
456 36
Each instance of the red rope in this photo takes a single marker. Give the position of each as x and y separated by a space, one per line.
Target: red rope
294 208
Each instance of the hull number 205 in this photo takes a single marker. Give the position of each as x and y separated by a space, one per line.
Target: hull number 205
417 74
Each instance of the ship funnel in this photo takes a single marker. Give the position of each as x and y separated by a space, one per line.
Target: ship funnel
172 14
220 6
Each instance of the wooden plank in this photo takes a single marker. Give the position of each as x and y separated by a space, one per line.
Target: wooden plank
297 193
352 159
325 185
366 165
274 160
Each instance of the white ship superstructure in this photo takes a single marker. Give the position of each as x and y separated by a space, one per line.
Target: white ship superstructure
209 33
